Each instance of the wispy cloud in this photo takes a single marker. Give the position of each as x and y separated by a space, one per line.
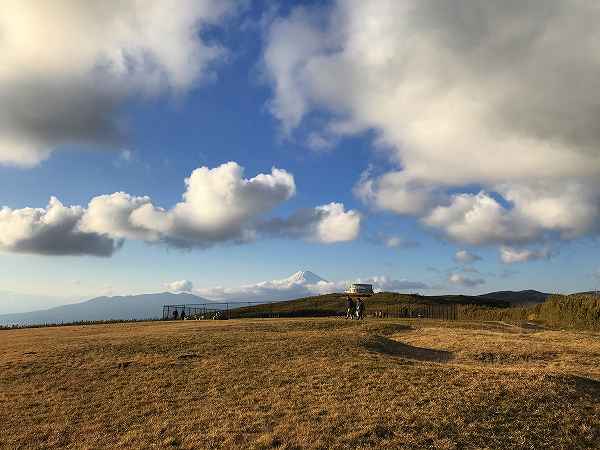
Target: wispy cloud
511 255
466 257
392 241
462 280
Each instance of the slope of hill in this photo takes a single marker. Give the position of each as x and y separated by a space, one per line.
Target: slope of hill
146 306
571 311
333 304
517 298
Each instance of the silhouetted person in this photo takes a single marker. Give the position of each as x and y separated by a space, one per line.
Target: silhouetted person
349 307
175 315
183 314
360 309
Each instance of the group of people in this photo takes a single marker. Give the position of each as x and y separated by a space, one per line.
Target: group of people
214 315
176 315
354 310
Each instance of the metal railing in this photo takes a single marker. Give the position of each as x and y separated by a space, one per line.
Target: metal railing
238 310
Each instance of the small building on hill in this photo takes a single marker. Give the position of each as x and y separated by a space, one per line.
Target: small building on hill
360 289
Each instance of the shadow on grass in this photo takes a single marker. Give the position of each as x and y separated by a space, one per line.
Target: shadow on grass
381 344
386 329
585 384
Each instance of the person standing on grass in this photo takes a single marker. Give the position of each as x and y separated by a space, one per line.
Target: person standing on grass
359 309
175 315
349 307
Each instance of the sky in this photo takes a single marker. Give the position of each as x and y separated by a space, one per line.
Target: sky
207 145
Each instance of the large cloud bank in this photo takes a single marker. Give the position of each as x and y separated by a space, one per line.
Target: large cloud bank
219 205
54 230
68 66
489 109
302 284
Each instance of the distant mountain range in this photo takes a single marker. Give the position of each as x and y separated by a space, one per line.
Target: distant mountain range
145 306
149 306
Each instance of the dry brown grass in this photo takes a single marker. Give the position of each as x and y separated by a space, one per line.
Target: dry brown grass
299 383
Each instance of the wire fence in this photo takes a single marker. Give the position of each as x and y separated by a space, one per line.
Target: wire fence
217 311
445 312
238 310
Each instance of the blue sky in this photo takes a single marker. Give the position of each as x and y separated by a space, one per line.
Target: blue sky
418 164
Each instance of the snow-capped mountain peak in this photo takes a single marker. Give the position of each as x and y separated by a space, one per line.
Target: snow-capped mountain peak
303 283
304 277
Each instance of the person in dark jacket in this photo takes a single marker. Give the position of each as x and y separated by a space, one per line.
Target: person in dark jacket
175 315
360 309
349 308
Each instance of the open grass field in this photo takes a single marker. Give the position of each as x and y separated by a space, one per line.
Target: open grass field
299 383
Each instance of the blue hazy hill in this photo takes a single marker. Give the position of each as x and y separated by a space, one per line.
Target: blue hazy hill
145 306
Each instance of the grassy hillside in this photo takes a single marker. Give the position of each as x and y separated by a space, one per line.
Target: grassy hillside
575 311
519 298
578 311
299 383
335 304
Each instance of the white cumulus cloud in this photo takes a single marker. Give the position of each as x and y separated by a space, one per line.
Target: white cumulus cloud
326 224
479 219
336 224
180 286
219 205
500 97
68 66
54 230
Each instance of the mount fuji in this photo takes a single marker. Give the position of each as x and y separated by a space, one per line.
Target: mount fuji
300 284
302 277
303 283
